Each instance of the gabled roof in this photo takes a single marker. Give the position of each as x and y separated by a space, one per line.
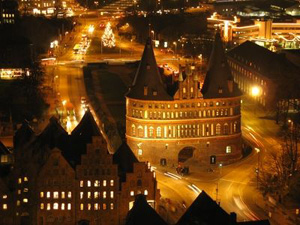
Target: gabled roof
218 76
125 159
87 126
143 214
148 76
204 210
3 149
54 135
23 134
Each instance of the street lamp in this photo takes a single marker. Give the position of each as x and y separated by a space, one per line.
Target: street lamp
153 33
255 91
175 44
257 168
91 29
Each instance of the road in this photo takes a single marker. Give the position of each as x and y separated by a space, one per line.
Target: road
236 183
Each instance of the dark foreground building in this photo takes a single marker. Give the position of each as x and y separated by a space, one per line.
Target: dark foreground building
71 179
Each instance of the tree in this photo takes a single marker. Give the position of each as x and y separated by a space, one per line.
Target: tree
108 38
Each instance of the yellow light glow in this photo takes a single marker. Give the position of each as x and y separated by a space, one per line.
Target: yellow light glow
255 91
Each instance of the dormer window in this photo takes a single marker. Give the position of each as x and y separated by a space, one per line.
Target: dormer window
154 93
148 67
220 90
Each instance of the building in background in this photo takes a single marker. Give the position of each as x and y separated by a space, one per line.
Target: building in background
262 31
264 75
201 122
16 56
8 12
72 179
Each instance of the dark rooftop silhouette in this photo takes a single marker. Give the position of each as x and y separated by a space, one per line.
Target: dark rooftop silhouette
143 214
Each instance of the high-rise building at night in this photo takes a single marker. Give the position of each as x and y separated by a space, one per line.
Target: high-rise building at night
200 121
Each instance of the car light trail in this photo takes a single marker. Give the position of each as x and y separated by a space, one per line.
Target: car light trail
172 175
194 188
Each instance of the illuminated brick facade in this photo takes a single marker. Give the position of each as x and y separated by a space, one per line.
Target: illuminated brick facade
198 122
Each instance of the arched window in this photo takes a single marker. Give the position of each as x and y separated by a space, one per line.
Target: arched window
151 132
55 206
146 192
226 130
228 149
140 131
133 130
218 129
158 132
235 127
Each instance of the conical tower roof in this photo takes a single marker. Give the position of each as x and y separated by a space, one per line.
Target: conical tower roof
143 214
148 77
218 82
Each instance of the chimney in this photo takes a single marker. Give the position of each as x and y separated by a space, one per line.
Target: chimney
230 85
232 218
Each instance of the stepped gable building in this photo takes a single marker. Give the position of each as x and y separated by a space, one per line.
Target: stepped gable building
48 184
199 121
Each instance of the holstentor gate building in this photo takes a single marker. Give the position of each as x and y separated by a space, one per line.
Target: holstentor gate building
198 122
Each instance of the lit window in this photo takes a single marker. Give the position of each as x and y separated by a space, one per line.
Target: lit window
25 179
48 194
81 195
69 206
55 206
88 183
18 202
132 193
104 183
55 195
20 180
97 183
89 195
81 206
146 192
4 206
48 206
69 194
140 151
19 192
25 200
81 183
111 182
42 206
111 194
104 194
4 196
96 195
25 190
89 206
111 206
42 194
228 149
104 206
63 206
96 206
63 194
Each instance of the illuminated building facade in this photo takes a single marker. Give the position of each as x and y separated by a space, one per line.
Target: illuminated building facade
199 121
261 73
287 34
45 7
55 180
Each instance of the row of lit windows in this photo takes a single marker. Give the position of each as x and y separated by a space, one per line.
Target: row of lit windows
96 206
187 114
55 206
184 105
24 179
132 192
96 183
190 130
8 15
96 194
56 194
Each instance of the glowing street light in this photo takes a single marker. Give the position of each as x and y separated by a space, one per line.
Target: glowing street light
91 29
255 91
